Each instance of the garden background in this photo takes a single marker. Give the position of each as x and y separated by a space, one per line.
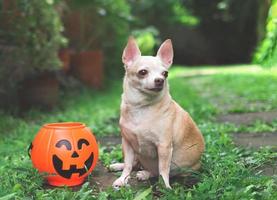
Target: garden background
60 60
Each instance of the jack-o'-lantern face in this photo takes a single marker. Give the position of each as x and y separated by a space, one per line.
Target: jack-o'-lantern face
69 158
65 152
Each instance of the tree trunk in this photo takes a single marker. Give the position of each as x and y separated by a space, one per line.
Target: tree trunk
263 9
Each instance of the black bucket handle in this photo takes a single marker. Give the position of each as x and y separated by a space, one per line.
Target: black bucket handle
29 149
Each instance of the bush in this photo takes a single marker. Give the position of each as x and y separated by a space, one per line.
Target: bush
30 39
162 14
147 39
117 21
103 25
266 53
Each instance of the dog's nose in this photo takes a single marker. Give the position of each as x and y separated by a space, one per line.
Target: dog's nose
159 81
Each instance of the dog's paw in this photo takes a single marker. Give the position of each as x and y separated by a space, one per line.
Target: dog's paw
143 175
168 187
120 182
116 167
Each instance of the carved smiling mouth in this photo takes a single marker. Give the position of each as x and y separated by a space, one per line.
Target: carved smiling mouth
58 164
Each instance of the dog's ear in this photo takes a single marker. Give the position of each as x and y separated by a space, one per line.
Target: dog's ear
131 52
165 53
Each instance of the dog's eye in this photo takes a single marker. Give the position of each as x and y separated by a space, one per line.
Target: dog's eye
165 74
142 72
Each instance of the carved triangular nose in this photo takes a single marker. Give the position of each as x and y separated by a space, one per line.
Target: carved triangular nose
75 155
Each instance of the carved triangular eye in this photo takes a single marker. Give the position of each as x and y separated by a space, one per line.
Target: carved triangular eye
66 143
81 142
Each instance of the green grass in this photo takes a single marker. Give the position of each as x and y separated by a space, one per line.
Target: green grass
228 172
235 89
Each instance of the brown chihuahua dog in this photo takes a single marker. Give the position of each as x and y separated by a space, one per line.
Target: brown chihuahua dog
156 132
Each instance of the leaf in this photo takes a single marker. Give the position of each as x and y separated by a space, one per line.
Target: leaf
86 194
7 197
143 194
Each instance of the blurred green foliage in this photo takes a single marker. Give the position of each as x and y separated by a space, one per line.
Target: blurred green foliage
100 22
162 13
118 20
108 23
30 38
34 36
105 25
38 31
34 28
147 39
267 51
183 16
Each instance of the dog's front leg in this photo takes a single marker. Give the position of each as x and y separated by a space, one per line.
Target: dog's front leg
165 155
129 157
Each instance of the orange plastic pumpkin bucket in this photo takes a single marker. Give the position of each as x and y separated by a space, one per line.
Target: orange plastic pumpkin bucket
67 152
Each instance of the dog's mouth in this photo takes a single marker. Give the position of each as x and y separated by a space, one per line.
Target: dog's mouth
156 89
